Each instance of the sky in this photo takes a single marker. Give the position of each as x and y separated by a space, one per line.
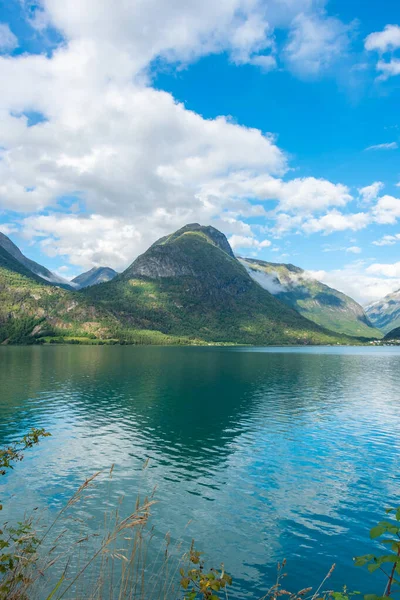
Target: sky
276 121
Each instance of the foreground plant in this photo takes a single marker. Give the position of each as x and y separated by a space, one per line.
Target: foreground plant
18 544
388 533
198 583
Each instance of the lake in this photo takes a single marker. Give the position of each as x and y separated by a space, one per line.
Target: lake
269 453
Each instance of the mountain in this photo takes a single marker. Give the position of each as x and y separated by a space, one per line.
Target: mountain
394 334
312 299
93 277
385 313
31 265
32 309
189 286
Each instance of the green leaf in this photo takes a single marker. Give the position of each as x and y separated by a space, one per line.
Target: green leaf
56 588
360 561
185 583
377 531
373 567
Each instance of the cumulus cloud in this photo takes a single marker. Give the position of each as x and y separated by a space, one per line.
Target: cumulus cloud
86 241
387 210
371 192
388 69
358 282
316 42
336 221
8 41
240 241
387 269
179 31
385 40
354 250
302 194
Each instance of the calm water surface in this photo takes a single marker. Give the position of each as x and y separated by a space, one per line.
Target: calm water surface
269 453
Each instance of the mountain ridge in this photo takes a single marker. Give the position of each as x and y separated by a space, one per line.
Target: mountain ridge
32 309
385 313
94 276
313 299
31 265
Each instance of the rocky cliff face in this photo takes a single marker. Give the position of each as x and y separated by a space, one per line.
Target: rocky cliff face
176 255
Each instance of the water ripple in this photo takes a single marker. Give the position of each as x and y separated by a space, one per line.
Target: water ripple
269 453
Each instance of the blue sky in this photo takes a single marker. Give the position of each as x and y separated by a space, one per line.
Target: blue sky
277 121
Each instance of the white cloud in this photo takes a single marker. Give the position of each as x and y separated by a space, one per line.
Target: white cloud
178 31
8 228
305 194
354 250
385 40
128 149
387 240
358 282
316 42
387 210
8 41
386 146
87 241
266 62
388 69
310 194
336 221
240 241
371 192
388 270
268 281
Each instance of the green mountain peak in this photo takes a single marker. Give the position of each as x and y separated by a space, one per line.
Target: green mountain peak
190 285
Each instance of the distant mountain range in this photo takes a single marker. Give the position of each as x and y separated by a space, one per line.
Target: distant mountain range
311 298
186 288
385 313
93 277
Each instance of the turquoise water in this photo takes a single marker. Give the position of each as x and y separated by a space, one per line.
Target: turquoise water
268 453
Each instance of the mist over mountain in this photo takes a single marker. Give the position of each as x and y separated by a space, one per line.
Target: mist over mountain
385 313
311 298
